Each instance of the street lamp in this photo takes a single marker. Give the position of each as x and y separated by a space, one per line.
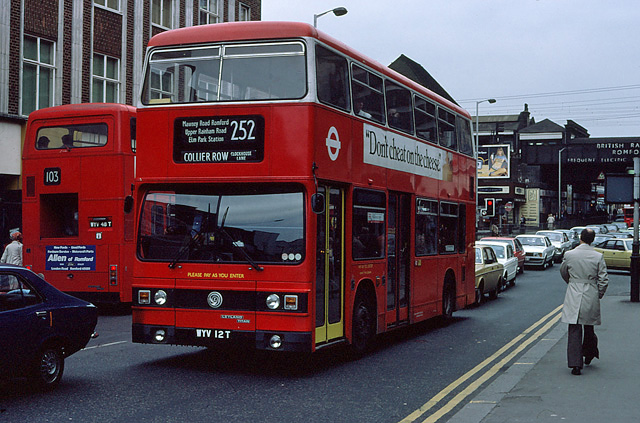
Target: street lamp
560 181
477 145
338 11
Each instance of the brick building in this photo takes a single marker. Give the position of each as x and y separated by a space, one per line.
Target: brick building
55 52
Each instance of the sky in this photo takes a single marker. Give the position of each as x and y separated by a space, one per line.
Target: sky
567 59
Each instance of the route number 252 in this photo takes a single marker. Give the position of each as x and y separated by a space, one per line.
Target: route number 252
243 130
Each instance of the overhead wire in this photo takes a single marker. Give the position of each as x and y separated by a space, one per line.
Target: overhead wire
592 107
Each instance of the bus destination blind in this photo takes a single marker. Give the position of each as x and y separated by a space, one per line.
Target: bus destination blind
219 139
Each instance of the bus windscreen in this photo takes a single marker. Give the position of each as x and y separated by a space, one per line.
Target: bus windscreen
182 226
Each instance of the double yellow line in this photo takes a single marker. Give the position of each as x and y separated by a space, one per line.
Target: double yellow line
482 378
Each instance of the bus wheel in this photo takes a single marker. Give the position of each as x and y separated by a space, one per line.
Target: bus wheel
448 300
363 324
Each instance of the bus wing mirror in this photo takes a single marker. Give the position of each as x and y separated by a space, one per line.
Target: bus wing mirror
128 204
317 203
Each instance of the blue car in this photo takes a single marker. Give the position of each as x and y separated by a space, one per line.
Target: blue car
39 326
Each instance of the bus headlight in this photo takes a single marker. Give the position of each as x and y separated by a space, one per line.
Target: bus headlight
275 342
160 335
273 301
160 297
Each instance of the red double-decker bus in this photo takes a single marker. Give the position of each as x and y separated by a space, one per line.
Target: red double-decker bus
78 168
293 193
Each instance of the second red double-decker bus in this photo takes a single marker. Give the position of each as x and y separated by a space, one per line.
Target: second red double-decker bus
293 193
78 168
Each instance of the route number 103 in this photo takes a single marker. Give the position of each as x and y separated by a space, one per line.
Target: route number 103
52 176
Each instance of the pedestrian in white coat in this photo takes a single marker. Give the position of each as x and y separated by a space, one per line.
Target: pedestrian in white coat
585 272
13 252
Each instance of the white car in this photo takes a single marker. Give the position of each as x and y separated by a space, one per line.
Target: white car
538 250
506 257
560 241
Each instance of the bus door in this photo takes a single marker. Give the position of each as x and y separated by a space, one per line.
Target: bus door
330 266
398 258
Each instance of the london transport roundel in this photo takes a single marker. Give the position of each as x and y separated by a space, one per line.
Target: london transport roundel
214 299
333 143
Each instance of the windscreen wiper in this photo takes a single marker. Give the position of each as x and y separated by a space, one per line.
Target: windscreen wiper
239 248
186 248
194 238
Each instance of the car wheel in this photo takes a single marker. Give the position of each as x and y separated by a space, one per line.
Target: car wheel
479 293
49 367
551 262
494 292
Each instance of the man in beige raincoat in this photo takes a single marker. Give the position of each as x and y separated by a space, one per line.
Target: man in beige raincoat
585 272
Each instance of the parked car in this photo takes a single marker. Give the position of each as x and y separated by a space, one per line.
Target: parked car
621 234
611 227
598 229
518 251
39 326
560 242
506 257
622 225
600 238
538 250
578 230
489 273
617 253
574 238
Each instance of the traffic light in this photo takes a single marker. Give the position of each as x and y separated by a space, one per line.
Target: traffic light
490 207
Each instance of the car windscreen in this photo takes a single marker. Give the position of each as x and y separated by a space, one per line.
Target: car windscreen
537 242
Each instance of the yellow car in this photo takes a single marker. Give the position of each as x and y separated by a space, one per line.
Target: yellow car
616 252
488 273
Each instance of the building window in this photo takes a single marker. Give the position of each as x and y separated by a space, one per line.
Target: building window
209 12
109 4
105 79
160 85
245 13
38 73
161 13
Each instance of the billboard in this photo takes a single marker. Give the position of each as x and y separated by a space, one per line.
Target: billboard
494 161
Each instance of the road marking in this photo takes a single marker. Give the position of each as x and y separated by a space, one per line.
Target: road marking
475 385
105 345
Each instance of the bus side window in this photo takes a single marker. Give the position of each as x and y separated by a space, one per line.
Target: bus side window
465 143
425 116
399 108
426 227
369 209
368 98
332 78
446 128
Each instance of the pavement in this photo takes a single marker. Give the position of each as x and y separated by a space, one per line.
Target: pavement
539 387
